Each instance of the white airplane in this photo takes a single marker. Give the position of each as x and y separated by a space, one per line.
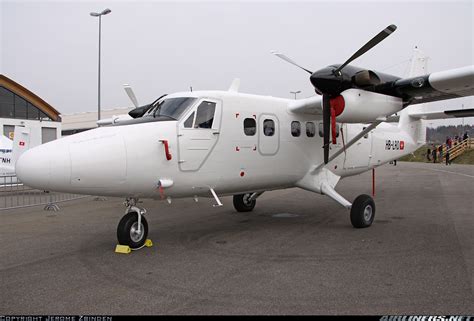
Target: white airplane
10 150
215 143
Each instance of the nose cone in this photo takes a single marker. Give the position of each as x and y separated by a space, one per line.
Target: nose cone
33 168
36 166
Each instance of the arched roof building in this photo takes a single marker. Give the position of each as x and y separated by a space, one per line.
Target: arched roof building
21 107
17 101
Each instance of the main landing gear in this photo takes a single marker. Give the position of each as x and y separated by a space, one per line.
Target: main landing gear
132 229
362 210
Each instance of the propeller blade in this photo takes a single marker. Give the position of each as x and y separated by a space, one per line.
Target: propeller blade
285 58
131 94
326 126
369 45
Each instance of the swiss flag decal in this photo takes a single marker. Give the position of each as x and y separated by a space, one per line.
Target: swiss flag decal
22 143
402 145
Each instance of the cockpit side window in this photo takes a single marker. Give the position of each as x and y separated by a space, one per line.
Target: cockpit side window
205 115
189 122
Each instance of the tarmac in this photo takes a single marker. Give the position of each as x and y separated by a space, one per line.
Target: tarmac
296 253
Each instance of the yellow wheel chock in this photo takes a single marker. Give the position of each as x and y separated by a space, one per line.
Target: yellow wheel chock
125 249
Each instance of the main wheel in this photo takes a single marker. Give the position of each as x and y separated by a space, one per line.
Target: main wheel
362 211
127 231
242 203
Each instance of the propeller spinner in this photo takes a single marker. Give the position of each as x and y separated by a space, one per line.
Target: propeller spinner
331 81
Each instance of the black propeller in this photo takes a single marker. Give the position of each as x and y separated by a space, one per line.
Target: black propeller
369 45
331 81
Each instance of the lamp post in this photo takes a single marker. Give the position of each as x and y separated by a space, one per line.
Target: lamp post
295 92
99 14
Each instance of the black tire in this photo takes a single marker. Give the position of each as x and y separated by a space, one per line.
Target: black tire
242 204
126 228
362 211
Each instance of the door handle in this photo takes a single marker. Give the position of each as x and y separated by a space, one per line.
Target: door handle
167 150
215 133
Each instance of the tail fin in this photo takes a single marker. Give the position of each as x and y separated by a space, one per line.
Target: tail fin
415 127
21 142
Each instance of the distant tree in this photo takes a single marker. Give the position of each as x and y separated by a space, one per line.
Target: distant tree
438 135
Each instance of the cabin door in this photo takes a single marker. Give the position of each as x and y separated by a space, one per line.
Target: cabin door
198 133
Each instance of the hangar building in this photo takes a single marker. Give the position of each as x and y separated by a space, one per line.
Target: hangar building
21 107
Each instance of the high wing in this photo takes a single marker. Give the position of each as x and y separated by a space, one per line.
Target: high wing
449 84
453 83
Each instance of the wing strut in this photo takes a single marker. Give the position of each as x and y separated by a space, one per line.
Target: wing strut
350 143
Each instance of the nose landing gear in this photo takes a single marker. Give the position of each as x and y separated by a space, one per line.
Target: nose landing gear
246 202
132 229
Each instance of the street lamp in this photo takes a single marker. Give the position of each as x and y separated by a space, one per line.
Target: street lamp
100 14
295 92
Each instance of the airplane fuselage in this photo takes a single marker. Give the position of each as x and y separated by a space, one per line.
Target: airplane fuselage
251 145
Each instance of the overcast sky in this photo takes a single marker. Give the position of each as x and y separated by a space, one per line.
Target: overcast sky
163 47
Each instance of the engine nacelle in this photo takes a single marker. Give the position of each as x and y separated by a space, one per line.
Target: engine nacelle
361 106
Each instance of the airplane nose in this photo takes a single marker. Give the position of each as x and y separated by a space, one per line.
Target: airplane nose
36 166
33 169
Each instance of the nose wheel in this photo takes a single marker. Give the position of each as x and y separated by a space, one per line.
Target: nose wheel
244 202
132 233
132 230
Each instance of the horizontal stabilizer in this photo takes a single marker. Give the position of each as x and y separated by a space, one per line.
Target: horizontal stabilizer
444 114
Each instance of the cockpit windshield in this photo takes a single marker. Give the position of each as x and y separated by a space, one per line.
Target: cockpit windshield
170 107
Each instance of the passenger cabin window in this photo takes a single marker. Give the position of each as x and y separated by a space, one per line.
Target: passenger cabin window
250 126
189 122
321 129
205 115
268 127
310 129
295 128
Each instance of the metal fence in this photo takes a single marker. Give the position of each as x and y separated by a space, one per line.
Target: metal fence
13 194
